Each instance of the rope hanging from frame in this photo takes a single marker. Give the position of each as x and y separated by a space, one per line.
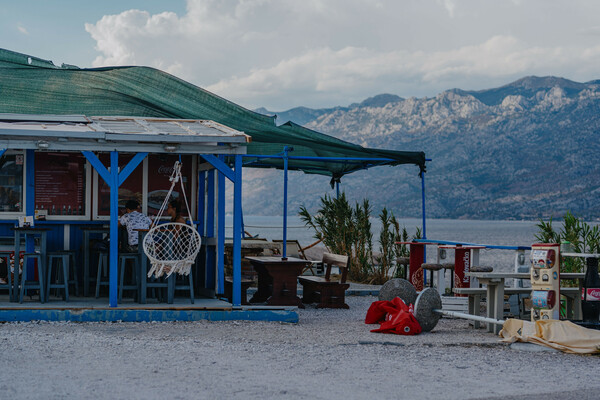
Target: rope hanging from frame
172 247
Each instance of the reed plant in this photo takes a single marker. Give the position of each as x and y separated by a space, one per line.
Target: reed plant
346 230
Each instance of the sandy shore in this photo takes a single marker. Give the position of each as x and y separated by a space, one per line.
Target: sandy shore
329 354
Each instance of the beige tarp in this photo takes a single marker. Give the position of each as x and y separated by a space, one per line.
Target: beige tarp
561 335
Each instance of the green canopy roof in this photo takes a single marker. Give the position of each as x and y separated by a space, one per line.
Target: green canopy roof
29 85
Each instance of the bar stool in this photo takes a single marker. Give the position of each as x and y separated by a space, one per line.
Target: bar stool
8 285
404 262
62 259
66 257
181 286
102 267
31 284
479 268
153 283
433 268
123 263
450 267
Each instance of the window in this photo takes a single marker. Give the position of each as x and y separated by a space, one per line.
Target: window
160 168
11 182
148 184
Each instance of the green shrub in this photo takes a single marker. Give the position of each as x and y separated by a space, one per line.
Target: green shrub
582 237
344 230
347 231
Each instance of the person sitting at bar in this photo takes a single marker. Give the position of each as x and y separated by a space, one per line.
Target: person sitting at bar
174 211
132 220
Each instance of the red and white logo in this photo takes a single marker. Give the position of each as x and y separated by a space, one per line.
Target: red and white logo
593 294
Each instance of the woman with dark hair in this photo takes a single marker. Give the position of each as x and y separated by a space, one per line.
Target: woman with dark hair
174 211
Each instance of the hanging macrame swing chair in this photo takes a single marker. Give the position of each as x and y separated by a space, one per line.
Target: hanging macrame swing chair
172 247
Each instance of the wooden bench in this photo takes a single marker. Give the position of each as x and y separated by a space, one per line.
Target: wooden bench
327 292
246 283
572 294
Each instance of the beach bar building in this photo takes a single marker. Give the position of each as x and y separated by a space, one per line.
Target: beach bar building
76 144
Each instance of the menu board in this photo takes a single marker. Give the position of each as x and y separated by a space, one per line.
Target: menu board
160 168
131 189
60 183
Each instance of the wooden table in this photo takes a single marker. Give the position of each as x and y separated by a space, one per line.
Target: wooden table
277 280
249 248
27 232
87 231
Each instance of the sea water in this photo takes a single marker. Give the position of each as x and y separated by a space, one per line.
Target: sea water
506 233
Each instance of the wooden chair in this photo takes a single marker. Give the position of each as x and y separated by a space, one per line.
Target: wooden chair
327 292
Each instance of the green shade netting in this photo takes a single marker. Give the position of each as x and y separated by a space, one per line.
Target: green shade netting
29 85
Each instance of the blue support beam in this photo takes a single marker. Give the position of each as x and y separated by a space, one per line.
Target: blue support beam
131 166
98 166
29 206
114 229
237 233
424 226
221 232
201 203
114 179
286 149
220 165
210 231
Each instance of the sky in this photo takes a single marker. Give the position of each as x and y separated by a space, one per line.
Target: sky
281 54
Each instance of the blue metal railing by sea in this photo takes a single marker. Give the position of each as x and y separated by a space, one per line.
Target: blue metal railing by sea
487 246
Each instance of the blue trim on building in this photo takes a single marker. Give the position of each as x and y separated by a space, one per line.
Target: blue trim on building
145 315
487 246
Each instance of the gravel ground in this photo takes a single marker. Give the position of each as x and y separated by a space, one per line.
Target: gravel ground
329 354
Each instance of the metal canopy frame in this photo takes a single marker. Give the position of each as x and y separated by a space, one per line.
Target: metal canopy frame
367 162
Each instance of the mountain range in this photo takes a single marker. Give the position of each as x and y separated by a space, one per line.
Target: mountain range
529 149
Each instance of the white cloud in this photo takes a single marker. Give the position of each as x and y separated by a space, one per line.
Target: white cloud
351 71
284 53
22 29
449 5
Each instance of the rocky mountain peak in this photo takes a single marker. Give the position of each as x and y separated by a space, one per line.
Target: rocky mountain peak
524 150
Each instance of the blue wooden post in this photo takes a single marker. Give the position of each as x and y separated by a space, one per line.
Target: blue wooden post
423 204
210 231
114 179
114 228
221 232
424 226
237 233
285 193
201 203
2 151
29 208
